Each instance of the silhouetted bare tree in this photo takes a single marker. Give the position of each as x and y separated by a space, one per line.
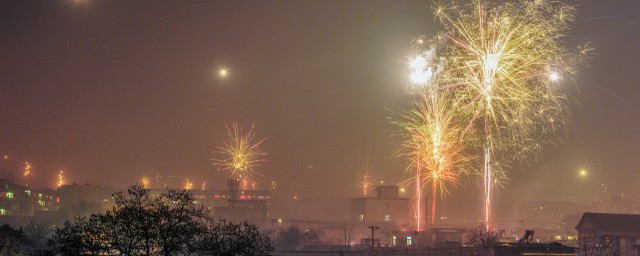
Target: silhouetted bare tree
38 228
226 238
598 246
11 241
165 224
483 239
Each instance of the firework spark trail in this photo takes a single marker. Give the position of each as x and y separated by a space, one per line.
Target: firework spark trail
496 60
27 173
418 199
241 153
60 179
366 176
145 182
433 143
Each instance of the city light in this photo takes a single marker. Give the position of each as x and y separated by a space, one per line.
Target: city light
583 173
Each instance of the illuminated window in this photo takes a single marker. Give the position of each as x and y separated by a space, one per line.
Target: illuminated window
28 192
393 241
572 238
10 195
557 237
361 217
3 212
387 217
40 202
409 240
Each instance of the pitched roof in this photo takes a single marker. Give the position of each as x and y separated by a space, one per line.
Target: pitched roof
609 222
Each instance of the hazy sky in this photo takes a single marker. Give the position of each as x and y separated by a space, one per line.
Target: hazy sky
113 90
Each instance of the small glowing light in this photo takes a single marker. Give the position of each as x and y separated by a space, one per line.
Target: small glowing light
6 157
295 197
402 190
382 182
420 41
583 173
223 73
554 76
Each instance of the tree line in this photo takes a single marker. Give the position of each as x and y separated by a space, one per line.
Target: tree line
167 224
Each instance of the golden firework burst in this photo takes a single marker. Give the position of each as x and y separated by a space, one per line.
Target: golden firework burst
241 153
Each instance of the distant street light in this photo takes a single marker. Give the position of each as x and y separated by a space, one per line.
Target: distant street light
582 173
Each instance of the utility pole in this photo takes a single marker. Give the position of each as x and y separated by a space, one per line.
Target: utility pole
373 230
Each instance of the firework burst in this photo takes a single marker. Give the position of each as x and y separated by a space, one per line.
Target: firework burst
434 145
188 185
500 64
241 153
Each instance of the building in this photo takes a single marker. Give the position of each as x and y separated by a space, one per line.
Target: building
243 205
18 200
386 208
609 234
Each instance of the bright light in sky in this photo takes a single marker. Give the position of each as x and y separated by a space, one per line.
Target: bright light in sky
223 72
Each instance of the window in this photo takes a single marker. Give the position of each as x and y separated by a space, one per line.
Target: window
387 217
557 237
10 195
393 241
361 217
409 240
3 212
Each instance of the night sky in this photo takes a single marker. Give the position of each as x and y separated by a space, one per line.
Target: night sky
110 91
